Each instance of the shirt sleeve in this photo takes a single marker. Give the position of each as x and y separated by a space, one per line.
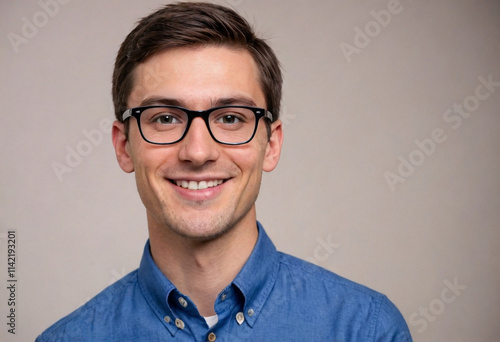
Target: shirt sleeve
391 326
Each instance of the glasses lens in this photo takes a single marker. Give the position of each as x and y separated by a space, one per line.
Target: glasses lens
232 125
163 125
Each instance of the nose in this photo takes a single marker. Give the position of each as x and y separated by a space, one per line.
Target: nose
198 146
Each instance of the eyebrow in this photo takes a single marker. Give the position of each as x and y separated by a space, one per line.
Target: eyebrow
157 100
237 100
226 101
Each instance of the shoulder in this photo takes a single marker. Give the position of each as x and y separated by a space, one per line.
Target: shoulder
97 312
314 274
352 302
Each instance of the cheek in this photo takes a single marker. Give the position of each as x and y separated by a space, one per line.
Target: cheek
142 152
250 160
144 158
150 161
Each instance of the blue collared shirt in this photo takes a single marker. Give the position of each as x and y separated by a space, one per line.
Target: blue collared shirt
275 297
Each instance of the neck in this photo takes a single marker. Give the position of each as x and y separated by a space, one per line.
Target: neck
202 269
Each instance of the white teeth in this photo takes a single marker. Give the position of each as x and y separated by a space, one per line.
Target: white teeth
193 185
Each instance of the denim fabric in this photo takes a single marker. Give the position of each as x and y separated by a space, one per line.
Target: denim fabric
275 297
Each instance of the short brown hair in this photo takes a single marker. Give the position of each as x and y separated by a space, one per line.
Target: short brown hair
194 24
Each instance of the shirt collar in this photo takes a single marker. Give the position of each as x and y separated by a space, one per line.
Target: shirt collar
255 281
258 275
156 289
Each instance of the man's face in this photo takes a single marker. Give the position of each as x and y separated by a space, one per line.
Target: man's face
230 176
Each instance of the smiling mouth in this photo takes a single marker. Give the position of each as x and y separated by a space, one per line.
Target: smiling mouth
194 185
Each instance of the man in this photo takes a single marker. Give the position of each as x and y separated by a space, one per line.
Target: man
197 98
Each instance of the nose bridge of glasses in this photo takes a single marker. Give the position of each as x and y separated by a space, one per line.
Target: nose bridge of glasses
202 115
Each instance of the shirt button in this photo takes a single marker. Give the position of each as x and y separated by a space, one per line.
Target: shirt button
167 319
240 318
179 324
183 302
223 296
212 337
250 312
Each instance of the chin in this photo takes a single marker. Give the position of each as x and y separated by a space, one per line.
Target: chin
200 231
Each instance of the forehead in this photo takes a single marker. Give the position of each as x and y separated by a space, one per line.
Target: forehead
196 74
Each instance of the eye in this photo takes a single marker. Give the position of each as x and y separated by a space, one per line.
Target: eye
166 119
229 119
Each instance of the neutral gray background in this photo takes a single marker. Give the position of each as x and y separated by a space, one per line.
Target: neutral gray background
348 119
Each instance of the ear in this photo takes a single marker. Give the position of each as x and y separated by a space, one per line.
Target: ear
273 149
122 147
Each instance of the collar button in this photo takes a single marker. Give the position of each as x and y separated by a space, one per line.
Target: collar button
179 323
240 318
183 302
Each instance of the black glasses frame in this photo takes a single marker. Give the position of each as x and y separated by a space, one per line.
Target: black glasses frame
191 114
